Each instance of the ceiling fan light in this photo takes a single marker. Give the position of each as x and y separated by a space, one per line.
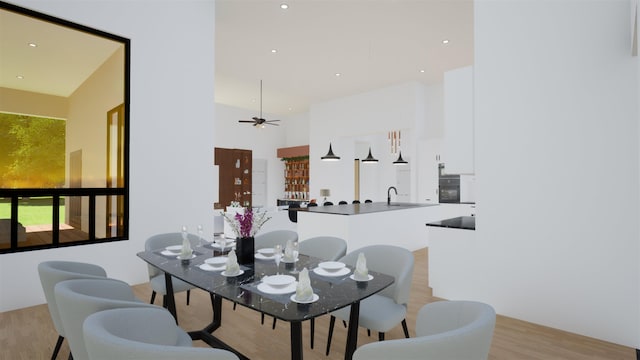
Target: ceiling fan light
330 155
400 160
369 159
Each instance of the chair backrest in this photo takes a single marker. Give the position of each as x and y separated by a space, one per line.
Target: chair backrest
323 247
80 298
342 202
53 272
161 241
368 201
275 237
327 203
312 204
141 334
355 202
391 260
460 330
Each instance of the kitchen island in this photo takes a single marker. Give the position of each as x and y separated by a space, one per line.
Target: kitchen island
452 251
400 224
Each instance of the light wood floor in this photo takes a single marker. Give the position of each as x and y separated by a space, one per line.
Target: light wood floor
28 334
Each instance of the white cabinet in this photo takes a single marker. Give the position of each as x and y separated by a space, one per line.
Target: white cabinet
458 121
428 160
448 211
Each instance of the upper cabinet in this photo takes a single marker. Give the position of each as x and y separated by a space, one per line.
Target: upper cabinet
458 121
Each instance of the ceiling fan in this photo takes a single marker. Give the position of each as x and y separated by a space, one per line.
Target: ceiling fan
260 121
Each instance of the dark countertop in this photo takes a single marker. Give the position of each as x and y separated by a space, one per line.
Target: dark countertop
364 208
461 222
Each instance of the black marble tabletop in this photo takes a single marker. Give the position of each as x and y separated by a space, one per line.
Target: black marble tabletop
333 292
461 222
364 208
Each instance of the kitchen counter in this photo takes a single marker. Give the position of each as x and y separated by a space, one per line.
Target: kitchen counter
364 208
400 224
460 222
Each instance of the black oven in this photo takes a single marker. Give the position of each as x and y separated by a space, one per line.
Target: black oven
449 189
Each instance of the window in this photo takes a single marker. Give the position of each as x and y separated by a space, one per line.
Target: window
64 115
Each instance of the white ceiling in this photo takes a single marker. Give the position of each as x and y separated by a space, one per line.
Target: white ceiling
372 43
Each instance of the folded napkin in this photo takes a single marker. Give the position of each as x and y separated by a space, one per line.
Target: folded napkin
288 251
304 292
361 272
186 251
232 263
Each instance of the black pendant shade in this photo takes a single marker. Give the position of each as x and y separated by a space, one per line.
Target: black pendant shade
400 160
330 155
370 159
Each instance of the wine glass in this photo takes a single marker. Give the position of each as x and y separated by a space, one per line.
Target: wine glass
277 256
295 252
223 244
200 238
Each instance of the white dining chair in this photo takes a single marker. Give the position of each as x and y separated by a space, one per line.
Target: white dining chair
141 334
80 298
460 330
276 237
53 272
388 308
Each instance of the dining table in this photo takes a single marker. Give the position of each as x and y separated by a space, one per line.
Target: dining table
332 291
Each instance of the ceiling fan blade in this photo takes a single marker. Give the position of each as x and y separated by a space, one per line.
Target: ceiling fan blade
246 121
268 123
272 120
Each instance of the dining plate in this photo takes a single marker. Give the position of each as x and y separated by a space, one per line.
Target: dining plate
265 288
331 266
174 248
224 273
217 261
341 272
278 281
286 261
179 257
369 278
314 299
266 251
262 257
207 267
229 244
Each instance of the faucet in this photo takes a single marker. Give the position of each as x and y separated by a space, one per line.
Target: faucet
389 193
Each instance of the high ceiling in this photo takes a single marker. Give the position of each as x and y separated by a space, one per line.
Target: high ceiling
370 43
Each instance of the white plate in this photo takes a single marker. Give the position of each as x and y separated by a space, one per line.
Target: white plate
331 266
288 261
179 257
278 281
174 248
283 290
207 267
216 261
370 277
168 253
229 244
314 299
341 272
224 273
267 252
262 257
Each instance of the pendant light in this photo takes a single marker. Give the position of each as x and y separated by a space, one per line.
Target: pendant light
369 159
400 160
330 155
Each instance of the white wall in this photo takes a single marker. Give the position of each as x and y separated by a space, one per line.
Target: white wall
556 116
262 142
296 129
365 117
172 135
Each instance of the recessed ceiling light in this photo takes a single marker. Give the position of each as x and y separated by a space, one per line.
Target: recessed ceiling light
338 74
284 6
274 51
20 77
445 41
422 70
290 109
33 44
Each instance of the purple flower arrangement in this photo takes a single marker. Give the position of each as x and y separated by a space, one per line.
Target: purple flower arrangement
246 224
